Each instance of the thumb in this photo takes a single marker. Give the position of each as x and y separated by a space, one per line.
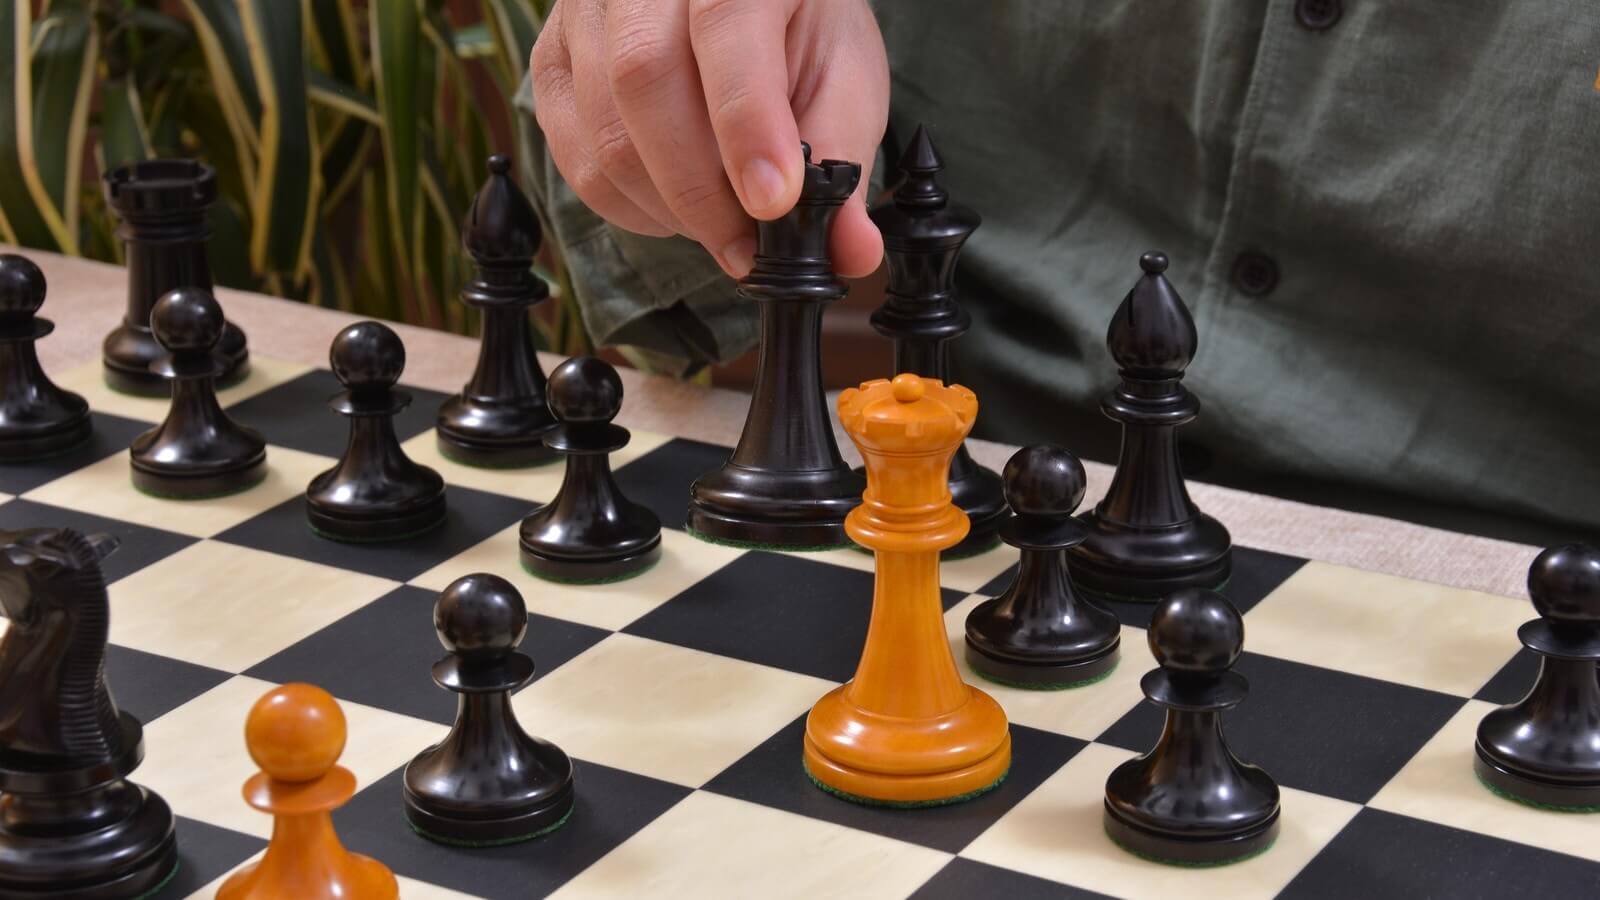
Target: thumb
844 118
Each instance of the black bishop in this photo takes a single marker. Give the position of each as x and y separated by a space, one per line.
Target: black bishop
1189 800
1545 748
197 451
590 532
488 782
1146 537
376 492
923 233
37 418
499 419
1040 633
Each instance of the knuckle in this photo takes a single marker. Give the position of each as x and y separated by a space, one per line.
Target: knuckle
640 60
694 201
712 14
614 152
733 107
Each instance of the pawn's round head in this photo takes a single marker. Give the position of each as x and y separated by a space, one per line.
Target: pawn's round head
21 285
295 732
480 618
1044 480
1564 582
585 389
1196 630
367 355
187 320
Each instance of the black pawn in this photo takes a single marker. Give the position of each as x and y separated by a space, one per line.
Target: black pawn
73 825
163 205
499 419
488 782
1146 537
785 484
1190 800
197 451
36 417
590 532
923 233
375 493
1040 633
1545 748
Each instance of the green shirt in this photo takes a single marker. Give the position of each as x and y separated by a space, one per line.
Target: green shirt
1386 227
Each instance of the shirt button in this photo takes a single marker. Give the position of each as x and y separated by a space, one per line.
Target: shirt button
1318 15
1254 274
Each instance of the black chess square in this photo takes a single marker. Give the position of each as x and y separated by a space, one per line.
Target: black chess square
661 478
1315 729
1256 573
1513 681
1380 854
773 775
382 655
295 414
962 879
611 806
112 434
137 545
471 517
150 686
205 853
778 610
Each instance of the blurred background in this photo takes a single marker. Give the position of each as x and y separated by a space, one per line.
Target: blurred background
349 137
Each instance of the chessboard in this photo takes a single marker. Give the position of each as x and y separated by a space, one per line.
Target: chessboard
682 694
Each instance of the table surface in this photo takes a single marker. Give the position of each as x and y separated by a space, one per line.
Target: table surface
87 298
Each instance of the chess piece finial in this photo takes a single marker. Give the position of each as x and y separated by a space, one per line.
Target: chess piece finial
198 451
375 492
1040 632
906 730
1545 748
923 233
1146 537
785 484
163 205
1190 800
73 824
591 531
499 419
37 418
296 734
488 782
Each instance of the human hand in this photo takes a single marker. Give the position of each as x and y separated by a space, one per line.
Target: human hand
686 116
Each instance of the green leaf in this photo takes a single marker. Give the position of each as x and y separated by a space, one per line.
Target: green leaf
474 41
288 180
333 28
396 40
123 136
328 91
43 118
221 33
516 27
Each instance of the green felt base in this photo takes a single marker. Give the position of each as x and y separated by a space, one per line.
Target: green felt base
1185 864
776 548
612 579
176 865
377 540
1548 807
1049 686
189 497
903 804
499 842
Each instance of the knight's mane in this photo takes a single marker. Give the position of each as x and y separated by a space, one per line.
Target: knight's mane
89 719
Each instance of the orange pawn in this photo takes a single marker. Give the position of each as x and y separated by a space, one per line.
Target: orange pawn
295 734
907 731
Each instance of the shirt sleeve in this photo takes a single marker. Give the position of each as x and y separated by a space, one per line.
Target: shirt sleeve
663 296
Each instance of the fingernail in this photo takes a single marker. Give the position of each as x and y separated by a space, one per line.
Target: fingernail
740 256
763 185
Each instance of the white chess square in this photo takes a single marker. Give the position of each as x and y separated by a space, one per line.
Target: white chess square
661 710
89 380
230 607
1057 832
714 846
1382 626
